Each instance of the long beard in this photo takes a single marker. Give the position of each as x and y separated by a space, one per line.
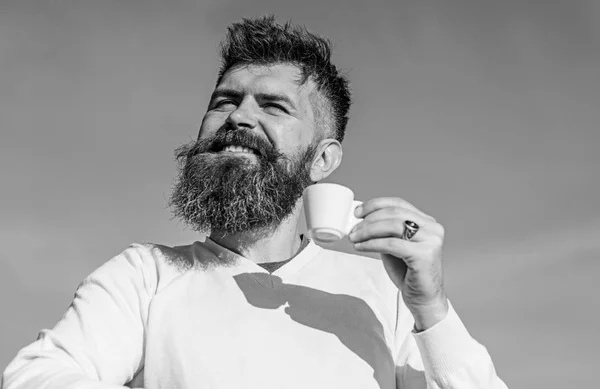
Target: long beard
232 194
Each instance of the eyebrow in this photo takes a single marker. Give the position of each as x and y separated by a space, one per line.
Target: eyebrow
232 93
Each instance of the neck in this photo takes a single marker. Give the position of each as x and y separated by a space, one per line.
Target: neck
271 244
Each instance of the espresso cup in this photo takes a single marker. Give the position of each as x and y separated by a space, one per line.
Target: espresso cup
329 211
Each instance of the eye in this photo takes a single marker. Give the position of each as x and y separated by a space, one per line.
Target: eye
274 107
224 104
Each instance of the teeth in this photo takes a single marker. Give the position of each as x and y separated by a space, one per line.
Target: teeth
238 149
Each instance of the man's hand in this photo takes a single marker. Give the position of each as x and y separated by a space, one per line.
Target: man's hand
415 266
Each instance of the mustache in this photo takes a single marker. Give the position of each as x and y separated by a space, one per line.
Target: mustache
226 136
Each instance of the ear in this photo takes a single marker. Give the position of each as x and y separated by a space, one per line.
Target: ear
327 159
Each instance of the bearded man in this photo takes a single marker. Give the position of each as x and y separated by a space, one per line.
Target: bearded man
257 304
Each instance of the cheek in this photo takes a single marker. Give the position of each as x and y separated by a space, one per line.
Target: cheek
210 124
287 136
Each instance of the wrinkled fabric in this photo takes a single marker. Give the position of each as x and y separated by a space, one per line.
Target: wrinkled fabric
201 316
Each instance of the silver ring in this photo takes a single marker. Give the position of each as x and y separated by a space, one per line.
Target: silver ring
410 229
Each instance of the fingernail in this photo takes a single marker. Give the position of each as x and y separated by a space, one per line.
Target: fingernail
358 211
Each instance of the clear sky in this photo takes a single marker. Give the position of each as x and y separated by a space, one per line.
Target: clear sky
484 114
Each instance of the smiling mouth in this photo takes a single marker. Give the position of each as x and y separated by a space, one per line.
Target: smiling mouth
238 150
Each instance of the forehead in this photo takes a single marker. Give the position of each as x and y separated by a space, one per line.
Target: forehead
281 78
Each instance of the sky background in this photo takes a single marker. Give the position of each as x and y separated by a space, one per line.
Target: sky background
484 114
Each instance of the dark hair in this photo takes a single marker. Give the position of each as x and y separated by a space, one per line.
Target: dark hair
262 41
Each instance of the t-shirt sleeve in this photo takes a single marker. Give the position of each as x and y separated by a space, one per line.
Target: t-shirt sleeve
99 342
444 356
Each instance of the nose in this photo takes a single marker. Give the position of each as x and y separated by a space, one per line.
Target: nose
243 116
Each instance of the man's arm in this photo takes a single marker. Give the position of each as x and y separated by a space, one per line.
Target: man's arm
410 244
444 356
98 344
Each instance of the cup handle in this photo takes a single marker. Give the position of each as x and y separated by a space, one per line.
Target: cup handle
353 220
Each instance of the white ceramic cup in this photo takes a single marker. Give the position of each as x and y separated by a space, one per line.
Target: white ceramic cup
329 211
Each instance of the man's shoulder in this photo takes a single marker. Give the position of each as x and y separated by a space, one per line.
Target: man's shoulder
181 257
159 253
155 264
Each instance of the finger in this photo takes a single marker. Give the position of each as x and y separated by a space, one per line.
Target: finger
373 205
400 213
389 228
392 246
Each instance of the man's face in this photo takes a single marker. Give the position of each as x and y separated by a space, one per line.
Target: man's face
267 101
253 155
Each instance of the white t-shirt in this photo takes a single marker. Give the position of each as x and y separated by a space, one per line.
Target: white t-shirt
201 316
